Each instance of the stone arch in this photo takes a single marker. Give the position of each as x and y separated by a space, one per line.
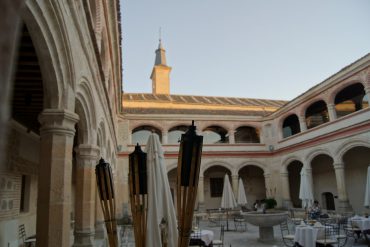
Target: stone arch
247 133
311 155
57 67
308 103
102 134
83 126
287 161
84 94
52 85
149 123
291 116
252 163
225 165
346 146
222 125
179 123
342 86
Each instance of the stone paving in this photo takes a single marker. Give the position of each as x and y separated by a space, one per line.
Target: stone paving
235 238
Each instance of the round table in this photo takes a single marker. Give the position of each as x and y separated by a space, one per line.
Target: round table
307 235
205 235
361 222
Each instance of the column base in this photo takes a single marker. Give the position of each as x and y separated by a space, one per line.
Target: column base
84 238
344 206
99 230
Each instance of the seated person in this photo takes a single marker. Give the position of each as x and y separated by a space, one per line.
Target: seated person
315 211
259 206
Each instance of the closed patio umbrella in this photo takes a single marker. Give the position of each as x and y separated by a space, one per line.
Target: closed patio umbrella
242 198
305 190
160 204
367 189
228 199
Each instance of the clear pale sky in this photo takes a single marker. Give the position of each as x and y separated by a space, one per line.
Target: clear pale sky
271 49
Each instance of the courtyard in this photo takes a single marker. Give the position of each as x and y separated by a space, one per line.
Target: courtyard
235 238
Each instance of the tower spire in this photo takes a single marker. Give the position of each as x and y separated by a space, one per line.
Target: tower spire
161 71
160 53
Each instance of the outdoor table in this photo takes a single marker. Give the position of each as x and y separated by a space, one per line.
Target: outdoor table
361 222
205 235
307 235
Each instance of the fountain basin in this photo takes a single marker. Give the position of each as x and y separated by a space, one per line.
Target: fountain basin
265 222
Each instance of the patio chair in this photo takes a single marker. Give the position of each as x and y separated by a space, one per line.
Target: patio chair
341 234
214 219
288 238
329 236
26 241
220 242
294 219
352 230
367 237
239 222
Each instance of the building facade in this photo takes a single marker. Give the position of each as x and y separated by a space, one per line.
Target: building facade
62 109
60 90
266 142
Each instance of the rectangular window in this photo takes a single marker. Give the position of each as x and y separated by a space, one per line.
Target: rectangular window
217 185
25 194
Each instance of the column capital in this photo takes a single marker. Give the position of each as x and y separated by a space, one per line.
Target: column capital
87 152
234 176
338 165
201 178
284 174
330 105
59 121
267 174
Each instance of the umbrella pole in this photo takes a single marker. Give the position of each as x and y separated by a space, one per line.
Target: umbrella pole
227 220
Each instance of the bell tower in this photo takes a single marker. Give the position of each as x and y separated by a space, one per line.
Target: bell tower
161 72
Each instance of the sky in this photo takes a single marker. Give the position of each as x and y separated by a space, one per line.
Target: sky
267 49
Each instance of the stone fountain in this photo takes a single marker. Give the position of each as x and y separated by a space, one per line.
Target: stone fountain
265 222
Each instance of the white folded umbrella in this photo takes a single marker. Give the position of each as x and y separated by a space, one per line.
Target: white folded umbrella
228 199
160 204
242 198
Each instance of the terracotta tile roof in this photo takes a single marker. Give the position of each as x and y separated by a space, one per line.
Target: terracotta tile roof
209 100
193 111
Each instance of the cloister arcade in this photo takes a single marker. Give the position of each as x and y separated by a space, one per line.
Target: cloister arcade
339 103
347 100
337 177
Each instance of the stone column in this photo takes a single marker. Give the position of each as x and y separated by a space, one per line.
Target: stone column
309 175
341 187
332 112
164 137
99 217
129 139
55 177
232 137
267 184
287 202
201 205
302 122
87 156
367 91
10 25
126 196
234 181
